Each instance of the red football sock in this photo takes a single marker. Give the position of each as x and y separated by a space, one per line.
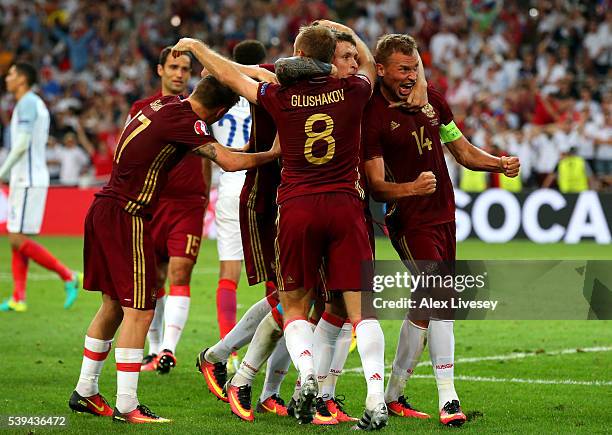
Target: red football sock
20 274
43 257
226 306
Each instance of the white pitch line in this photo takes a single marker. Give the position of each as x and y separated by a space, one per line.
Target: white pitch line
525 381
507 357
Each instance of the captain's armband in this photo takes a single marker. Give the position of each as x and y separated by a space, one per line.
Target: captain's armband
450 132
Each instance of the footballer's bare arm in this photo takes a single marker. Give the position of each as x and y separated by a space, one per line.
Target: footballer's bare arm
382 190
476 159
231 161
291 69
223 69
367 64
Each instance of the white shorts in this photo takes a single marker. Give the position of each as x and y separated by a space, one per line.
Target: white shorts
229 240
26 208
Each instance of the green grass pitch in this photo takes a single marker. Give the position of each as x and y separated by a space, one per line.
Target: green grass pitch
537 379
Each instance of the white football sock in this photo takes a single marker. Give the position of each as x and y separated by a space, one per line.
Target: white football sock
177 312
371 346
299 338
409 350
241 334
341 351
442 350
156 330
264 341
325 338
278 366
128 369
94 355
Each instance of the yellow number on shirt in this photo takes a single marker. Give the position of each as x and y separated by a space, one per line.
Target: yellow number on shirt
314 136
427 143
144 123
193 245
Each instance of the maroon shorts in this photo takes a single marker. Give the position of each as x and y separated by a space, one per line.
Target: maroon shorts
176 228
258 231
370 227
430 250
429 243
119 256
313 227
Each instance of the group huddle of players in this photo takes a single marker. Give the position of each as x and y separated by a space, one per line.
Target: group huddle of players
342 124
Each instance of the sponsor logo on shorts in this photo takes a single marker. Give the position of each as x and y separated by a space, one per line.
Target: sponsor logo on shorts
289 279
201 128
305 353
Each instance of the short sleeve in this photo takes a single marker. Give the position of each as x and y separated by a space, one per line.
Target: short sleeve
26 115
183 128
370 134
437 100
267 97
268 66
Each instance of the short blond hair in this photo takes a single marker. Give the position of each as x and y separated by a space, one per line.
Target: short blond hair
394 43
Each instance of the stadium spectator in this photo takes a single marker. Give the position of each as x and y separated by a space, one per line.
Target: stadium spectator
73 161
53 160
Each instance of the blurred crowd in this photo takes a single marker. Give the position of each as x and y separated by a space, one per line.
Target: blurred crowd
524 77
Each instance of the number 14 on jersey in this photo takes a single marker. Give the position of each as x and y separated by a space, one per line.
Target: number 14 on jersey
421 141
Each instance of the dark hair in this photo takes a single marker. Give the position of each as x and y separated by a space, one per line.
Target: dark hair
317 42
392 43
212 94
163 56
28 71
344 37
249 52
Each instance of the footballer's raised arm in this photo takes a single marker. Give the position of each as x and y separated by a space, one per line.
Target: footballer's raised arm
367 64
292 69
231 161
223 69
474 158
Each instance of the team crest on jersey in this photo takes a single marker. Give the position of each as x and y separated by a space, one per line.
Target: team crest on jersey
201 128
429 111
394 125
156 105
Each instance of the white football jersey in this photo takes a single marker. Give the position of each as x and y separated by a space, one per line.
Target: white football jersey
233 130
30 116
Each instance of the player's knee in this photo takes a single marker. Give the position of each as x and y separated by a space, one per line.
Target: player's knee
142 317
180 273
16 240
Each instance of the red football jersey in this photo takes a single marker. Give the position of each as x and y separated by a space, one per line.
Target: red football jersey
261 183
318 123
185 181
410 143
152 143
